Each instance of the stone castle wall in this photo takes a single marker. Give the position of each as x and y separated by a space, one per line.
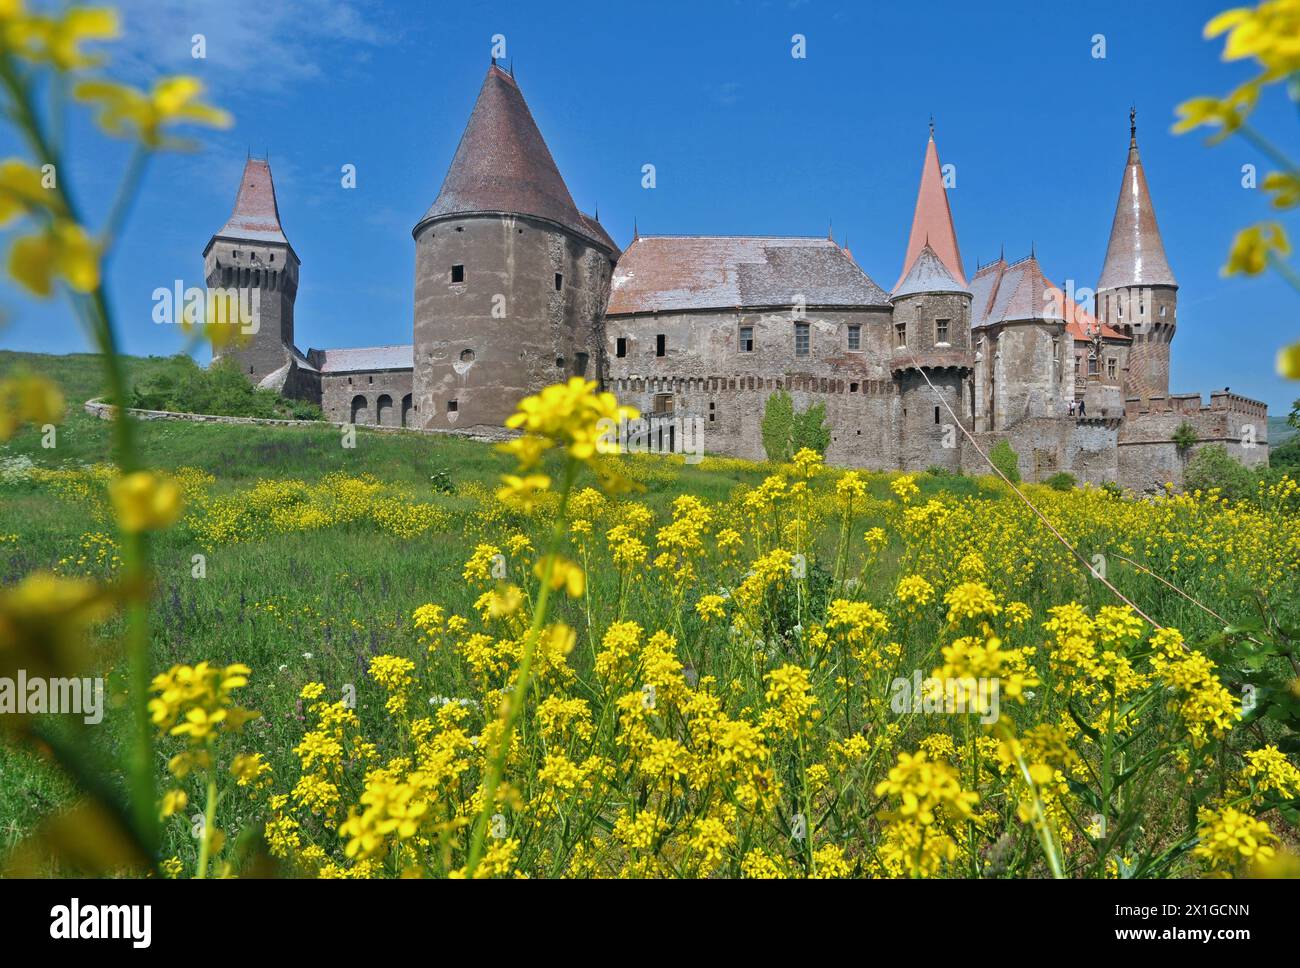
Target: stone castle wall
1148 456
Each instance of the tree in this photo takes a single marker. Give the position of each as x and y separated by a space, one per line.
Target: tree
778 427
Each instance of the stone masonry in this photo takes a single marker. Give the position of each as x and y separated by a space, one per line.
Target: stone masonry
515 288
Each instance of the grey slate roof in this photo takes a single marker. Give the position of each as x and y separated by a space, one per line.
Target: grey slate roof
502 164
670 273
401 357
928 274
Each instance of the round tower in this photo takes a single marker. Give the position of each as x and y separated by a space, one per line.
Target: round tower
1137 293
931 357
511 280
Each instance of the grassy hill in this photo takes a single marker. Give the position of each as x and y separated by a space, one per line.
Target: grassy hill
1279 431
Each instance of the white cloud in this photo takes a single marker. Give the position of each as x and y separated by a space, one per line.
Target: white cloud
265 43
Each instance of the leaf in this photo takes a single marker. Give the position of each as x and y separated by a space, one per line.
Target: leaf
88 839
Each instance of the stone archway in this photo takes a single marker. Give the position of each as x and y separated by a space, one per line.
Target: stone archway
384 411
360 410
406 410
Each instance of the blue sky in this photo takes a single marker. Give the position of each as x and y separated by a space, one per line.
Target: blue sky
745 140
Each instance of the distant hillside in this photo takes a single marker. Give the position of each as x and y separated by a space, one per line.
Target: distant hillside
1279 431
81 375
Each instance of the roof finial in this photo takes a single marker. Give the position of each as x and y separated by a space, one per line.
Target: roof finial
1032 253
1002 252
1132 126
932 126
830 229
512 65
636 234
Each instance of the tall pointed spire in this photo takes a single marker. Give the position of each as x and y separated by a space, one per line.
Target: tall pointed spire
502 163
1135 254
256 216
932 220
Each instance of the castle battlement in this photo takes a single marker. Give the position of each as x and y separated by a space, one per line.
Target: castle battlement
516 288
1221 401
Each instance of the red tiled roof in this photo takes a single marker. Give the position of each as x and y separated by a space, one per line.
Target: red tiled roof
1135 254
672 273
256 216
932 221
502 164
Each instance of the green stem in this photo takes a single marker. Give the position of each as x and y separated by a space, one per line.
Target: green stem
496 766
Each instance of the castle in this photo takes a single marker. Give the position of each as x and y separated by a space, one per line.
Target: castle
515 288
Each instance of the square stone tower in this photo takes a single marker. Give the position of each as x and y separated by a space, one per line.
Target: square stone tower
251 259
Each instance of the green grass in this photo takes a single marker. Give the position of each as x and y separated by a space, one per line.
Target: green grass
316 605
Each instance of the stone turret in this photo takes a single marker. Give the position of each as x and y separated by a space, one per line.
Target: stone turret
931 330
511 280
1137 293
251 257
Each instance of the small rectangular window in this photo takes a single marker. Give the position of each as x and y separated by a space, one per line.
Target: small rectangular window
661 344
581 363
559 282
855 337
936 414
800 339
457 273
900 334
747 339
620 347
941 330
1110 367
452 406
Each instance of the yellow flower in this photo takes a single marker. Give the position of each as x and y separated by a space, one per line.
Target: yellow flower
62 250
21 190
174 801
1288 361
57 40
905 487
1254 246
127 112
564 574
524 491
28 398
144 501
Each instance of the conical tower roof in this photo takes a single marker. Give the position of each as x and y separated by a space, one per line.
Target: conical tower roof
256 216
928 274
932 221
502 164
1135 255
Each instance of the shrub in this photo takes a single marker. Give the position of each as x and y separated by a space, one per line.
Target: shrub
785 431
1006 460
810 429
221 389
1185 437
778 427
1061 481
1211 466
